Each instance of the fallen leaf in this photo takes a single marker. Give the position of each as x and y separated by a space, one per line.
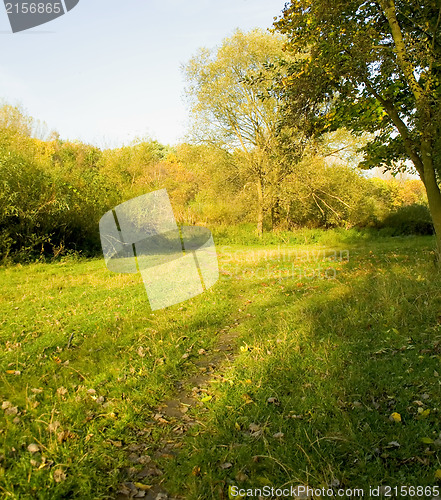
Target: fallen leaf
395 417
247 398
393 444
143 487
118 444
59 476
423 413
53 426
240 476
226 465
255 430
6 404
427 440
64 436
437 442
136 447
11 410
33 448
438 474
278 435
124 491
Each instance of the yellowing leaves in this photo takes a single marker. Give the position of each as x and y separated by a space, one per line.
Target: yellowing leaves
395 417
142 487
426 440
248 399
422 414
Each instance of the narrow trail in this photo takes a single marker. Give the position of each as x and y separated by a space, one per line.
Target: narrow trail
175 413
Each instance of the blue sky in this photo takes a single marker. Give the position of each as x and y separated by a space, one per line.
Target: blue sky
109 70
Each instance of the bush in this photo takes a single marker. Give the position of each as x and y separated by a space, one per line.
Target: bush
409 219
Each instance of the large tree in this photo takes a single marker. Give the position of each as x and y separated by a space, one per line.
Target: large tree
232 108
371 66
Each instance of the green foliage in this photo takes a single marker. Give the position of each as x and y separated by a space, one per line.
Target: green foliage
53 192
371 67
358 70
232 109
409 219
52 197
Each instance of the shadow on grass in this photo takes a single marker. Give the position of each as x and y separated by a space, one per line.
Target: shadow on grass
324 369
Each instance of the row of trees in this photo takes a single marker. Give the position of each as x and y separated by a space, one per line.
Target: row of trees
53 192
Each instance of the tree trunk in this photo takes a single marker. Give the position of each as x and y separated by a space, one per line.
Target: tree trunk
433 193
274 213
260 209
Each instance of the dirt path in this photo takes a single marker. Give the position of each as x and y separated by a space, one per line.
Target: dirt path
175 413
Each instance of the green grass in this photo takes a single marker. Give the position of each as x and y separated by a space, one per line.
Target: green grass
331 344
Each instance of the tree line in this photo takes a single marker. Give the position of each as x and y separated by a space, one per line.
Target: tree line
54 192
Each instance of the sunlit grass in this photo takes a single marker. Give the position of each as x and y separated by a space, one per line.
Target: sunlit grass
323 361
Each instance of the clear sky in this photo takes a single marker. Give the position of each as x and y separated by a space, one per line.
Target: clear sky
109 70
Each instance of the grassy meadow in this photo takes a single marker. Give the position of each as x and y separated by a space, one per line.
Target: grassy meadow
335 381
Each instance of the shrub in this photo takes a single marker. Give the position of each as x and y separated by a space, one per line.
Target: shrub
409 219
